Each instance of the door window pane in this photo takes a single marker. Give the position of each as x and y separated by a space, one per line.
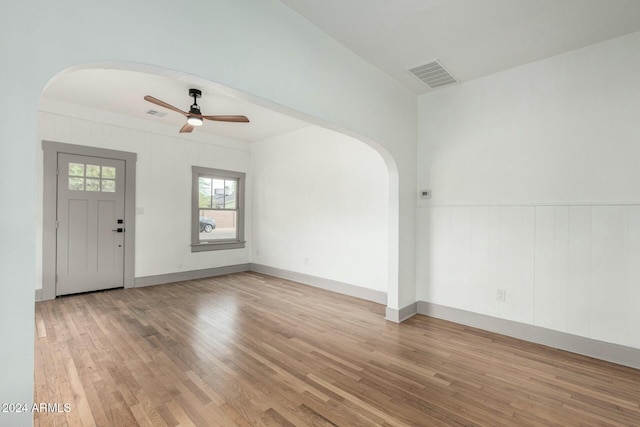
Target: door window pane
109 172
76 169
108 186
76 184
93 171
93 184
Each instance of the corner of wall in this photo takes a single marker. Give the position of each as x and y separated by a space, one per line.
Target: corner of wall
402 314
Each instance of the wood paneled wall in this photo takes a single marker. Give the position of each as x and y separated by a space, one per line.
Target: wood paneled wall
570 268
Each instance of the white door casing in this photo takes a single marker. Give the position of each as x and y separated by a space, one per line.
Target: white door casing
90 224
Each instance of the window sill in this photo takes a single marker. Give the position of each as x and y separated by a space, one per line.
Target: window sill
203 247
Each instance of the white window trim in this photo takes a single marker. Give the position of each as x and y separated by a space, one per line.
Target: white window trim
239 242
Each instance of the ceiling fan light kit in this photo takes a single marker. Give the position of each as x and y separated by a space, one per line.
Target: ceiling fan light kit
194 121
194 116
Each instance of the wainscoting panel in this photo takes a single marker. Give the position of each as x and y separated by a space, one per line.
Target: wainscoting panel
579 270
609 273
633 265
568 268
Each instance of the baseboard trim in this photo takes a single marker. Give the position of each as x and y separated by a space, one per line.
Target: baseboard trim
320 282
609 352
38 294
162 279
402 314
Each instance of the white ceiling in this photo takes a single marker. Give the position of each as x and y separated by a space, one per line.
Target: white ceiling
122 92
472 38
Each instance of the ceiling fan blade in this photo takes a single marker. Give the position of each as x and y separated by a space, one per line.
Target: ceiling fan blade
231 118
164 104
186 128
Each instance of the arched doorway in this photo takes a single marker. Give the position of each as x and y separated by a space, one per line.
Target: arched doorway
102 106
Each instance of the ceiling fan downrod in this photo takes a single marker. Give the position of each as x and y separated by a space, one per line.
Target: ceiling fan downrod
195 93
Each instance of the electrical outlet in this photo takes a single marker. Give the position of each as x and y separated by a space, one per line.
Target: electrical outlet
501 295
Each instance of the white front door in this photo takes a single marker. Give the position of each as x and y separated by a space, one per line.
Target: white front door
90 224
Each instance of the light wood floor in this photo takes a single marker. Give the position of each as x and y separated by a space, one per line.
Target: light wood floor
248 349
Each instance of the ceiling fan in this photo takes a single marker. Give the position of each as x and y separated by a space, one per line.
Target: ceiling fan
194 117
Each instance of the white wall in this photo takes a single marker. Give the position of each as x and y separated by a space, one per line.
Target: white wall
535 175
320 202
163 178
263 49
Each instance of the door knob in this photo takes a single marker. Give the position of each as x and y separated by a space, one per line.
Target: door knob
119 230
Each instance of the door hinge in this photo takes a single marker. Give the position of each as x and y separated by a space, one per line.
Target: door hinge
56 279
57 224
57 170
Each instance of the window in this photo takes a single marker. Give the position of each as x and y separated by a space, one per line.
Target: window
217 204
92 178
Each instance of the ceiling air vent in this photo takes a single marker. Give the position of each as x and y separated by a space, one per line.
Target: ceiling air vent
156 113
433 74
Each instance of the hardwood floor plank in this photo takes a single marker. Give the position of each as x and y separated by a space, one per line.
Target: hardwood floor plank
248 349
80 397
274 418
